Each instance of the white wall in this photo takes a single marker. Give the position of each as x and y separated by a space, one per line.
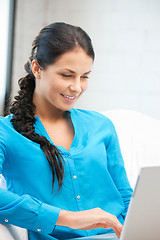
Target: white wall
4 23
126 38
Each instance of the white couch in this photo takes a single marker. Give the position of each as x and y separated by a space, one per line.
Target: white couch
139 137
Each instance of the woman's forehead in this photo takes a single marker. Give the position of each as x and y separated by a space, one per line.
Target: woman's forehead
74 59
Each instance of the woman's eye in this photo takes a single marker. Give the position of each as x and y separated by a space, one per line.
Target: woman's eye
85 77
69 76
66 75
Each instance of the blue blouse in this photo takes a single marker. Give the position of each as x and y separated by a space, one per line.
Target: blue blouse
94 177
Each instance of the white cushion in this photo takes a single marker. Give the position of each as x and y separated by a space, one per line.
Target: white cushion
139 137
8 231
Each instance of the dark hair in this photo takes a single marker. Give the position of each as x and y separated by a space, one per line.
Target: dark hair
52 41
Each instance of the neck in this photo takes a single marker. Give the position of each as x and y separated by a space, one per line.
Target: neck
46 111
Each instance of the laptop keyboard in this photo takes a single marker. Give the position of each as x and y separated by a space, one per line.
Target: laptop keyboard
109 236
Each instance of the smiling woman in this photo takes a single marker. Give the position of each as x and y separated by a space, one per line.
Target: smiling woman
70 178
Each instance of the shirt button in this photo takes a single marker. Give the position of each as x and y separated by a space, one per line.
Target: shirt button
6 220
78 197
38 229
74 176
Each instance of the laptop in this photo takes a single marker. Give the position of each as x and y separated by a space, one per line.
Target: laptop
143 217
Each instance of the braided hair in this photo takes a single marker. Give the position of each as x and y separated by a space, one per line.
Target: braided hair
52 41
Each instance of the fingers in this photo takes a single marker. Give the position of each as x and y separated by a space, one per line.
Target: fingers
114 223
118 229
110 221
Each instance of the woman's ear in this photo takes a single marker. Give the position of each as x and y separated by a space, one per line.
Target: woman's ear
36 69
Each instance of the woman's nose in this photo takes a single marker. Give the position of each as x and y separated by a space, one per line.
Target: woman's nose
76 86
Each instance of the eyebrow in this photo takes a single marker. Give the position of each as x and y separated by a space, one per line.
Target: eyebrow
71 71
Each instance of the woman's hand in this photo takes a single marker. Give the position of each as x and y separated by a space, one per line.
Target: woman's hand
89 219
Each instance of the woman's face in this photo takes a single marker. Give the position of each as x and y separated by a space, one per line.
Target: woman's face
61 84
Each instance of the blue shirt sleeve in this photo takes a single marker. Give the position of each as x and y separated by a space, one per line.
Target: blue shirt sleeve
25 211
117 169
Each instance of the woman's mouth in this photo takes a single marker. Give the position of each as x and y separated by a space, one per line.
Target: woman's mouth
68 98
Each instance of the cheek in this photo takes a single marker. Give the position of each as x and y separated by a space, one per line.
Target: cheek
84 86
53 85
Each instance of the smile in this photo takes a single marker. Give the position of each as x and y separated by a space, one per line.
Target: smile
69 97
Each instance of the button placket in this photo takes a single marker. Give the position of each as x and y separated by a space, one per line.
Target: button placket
75 181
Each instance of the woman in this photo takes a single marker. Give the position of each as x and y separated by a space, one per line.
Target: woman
63 166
